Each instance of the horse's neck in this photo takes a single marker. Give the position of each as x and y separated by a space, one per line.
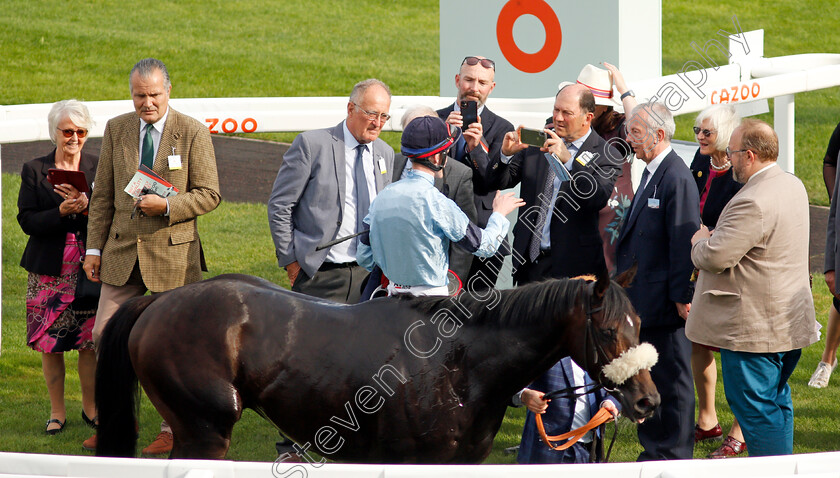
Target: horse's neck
521 351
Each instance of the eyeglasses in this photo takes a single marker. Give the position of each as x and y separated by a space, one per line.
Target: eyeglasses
68 133
373 115
706 132
729 152
485 62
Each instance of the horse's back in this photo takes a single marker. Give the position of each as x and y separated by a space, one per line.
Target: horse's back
213 347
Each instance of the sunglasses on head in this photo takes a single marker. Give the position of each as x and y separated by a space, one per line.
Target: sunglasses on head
474 60
68 133
706 132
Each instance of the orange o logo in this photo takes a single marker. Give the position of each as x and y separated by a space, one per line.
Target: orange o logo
248 129
225 124
529 62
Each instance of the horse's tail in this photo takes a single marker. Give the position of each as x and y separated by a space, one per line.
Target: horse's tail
117 395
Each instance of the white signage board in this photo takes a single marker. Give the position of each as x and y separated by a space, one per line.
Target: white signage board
536 44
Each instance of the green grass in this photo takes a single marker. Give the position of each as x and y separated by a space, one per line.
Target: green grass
240 243
789 29
236 239
321 48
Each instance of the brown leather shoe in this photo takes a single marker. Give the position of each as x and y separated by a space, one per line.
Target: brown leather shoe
90 443
714 433
730 447
161 445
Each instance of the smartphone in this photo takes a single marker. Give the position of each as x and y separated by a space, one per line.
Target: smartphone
533 137
469 112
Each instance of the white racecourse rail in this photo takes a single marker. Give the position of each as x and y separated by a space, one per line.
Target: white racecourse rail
752 80
815 465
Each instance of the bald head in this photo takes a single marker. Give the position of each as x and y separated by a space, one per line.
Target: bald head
752 147
583 94
475 82
760 138
574 108
416 112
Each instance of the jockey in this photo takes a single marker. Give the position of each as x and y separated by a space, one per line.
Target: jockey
412 223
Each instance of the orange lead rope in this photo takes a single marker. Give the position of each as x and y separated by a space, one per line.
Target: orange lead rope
603 416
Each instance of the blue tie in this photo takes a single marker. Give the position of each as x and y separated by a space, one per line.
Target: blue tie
637 198
545 210
361 187
460 149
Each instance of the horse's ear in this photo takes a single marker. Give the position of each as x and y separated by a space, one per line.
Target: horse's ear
602 284
626 278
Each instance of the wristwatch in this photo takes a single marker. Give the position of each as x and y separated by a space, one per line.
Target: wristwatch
628 93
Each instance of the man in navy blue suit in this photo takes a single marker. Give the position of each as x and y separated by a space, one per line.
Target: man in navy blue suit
479 150
656 236
560 414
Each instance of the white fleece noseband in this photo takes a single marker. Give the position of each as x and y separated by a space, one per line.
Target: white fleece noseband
629 363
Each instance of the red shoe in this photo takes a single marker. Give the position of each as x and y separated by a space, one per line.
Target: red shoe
161 445
730 447
714 433
90 443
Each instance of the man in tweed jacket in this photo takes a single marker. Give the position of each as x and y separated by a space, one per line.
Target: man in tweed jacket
157 249
160 249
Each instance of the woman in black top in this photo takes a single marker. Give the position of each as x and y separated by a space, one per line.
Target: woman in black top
713 173
54 218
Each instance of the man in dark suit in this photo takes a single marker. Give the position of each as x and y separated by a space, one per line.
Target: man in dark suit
479 150
322 193
656 236
456 184
557 235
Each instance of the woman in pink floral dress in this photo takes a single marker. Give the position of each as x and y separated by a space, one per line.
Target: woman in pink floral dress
54 217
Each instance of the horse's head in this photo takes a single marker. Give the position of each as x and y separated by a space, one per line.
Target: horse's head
612 354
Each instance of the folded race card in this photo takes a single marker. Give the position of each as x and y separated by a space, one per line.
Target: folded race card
145 181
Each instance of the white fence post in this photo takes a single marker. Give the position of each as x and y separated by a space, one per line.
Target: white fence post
783 122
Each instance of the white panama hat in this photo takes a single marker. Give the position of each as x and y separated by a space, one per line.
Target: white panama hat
600 83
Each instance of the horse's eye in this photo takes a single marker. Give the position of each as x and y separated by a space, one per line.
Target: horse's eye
608 334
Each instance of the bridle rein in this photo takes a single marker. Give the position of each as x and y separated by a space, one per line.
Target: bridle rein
615 372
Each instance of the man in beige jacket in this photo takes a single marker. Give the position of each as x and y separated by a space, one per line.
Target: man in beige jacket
753 298
150 244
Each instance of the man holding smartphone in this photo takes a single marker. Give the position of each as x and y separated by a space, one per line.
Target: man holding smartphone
564 183
478 148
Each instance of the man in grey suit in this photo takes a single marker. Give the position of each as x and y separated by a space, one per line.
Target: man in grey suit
322 192
456 184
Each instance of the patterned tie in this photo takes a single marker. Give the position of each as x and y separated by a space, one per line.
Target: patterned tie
147 157
637 197
361 187
545 210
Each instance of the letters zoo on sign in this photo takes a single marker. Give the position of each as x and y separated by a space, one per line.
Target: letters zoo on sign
230 125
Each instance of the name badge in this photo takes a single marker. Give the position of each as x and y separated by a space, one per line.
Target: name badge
382 168
584 158
653 203
174 161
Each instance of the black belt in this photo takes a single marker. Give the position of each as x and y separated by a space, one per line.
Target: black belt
328 266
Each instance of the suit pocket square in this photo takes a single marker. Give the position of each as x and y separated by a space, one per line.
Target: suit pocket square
722 293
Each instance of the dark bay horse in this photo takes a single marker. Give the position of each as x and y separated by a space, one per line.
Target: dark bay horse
408 380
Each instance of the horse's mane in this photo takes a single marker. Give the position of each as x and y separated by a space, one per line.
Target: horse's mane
616 306
515 307
518 306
